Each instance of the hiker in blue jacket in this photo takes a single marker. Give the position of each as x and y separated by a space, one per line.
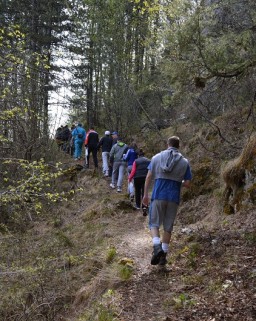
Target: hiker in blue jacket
130 157
78 135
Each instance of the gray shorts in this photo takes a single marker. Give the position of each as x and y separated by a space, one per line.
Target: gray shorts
162 213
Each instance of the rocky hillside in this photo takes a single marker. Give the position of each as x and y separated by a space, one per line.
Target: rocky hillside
89 258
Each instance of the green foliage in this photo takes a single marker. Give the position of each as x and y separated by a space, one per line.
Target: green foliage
103 310
194 250
182 301
105 314
111 254
27 187
125 272
196 37
64 239
99 313
250 237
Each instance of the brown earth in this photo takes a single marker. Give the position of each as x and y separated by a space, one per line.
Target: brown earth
88 259
210 273
211 270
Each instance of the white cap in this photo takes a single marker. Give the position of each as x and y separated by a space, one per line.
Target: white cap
107 132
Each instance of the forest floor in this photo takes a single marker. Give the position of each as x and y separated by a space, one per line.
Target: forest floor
211 270
88 258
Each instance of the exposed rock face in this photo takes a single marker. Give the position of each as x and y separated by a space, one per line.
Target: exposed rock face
240 178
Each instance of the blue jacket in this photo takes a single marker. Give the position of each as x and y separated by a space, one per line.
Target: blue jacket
130 156
77 132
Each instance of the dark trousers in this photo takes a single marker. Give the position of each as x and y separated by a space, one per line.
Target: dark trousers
139 183
110 169
94 156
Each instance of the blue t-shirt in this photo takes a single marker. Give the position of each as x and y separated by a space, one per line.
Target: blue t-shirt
167 189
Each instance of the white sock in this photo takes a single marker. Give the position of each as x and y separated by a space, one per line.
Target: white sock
165 247
156 240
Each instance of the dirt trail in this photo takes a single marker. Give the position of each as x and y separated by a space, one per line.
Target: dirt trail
204 283
206 279
141 298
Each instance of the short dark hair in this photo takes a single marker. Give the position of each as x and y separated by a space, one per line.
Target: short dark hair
141 153
174 141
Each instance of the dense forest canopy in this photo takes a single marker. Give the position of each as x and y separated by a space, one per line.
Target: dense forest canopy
139 59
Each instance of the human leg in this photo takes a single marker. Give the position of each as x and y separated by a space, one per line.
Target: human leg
115 174
138 183
110 169
89 151
79 149
95 157
72 150
130 187
76 149
120 175
155 220
157 246
105 157
144 207
141 188
168 222
137 191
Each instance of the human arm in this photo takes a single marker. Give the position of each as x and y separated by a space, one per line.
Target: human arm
127 155
186 183
100 144
145 199
86 138
111 154
84 135
187 177
132 172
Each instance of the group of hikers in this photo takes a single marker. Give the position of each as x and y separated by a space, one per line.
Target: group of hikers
169 170
63 138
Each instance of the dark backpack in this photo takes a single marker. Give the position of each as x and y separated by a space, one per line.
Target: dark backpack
59 134
79 135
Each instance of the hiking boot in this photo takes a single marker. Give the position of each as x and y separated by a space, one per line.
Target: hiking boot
119 190
131 198
157 253
112 185
163 259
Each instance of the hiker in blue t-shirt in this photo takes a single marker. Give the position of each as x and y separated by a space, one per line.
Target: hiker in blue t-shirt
170 171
